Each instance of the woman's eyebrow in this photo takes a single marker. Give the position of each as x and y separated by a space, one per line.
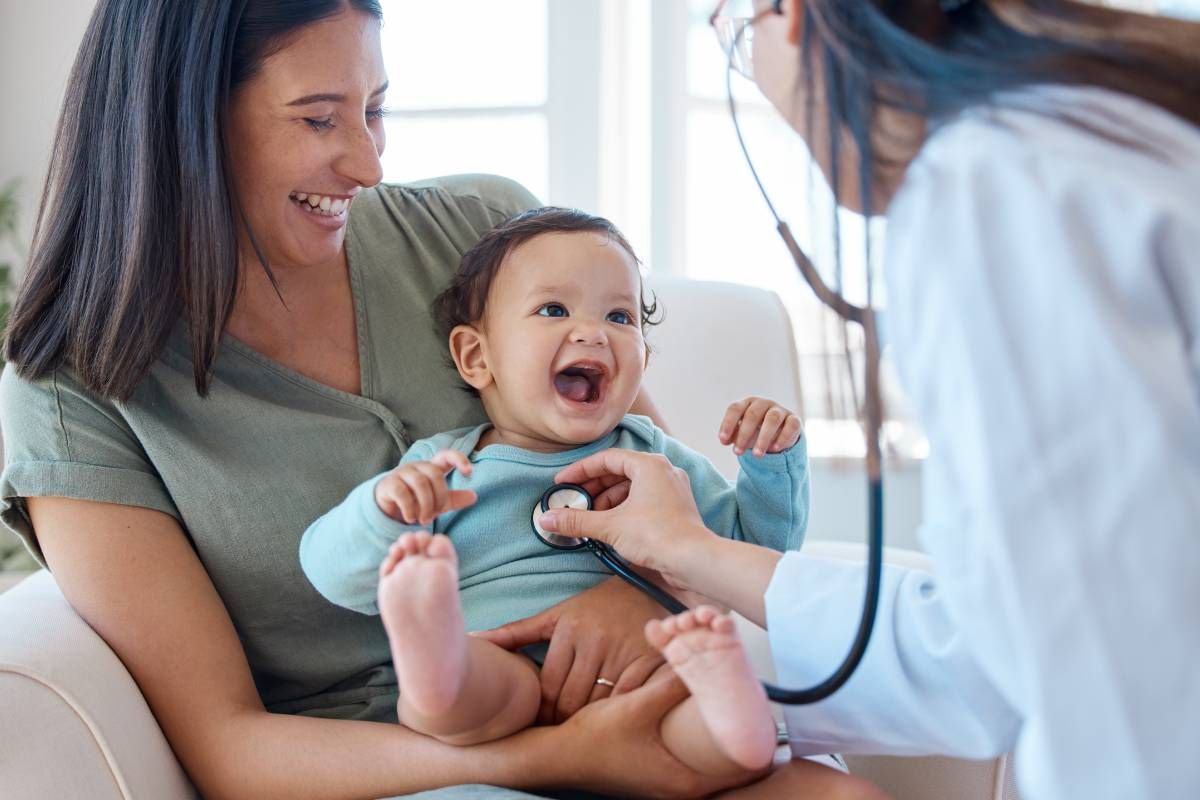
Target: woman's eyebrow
309 99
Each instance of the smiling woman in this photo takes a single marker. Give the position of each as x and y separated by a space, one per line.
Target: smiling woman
224 327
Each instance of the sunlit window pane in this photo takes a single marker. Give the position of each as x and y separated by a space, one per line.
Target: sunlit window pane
465 54
513 146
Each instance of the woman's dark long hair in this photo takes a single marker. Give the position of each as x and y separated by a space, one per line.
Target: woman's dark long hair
138 221
934 59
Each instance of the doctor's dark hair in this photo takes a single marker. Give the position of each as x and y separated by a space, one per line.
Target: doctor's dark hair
465 300
138 222
934 58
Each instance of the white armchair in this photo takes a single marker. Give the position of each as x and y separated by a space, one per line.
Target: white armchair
74 724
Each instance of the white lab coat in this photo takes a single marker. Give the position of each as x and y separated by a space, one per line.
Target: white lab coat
1044 303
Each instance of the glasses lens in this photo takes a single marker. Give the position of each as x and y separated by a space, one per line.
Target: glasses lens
736 36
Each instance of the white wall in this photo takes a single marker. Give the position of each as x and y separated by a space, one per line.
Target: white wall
38 40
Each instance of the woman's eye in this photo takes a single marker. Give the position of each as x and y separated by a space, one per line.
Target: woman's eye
552 310
620 317
377 113
319 124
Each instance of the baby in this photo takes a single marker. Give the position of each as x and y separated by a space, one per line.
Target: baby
545 320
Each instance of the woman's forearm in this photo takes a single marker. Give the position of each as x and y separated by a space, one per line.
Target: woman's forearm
734 574
267 755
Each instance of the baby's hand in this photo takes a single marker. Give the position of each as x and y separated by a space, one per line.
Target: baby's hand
415 493
759 423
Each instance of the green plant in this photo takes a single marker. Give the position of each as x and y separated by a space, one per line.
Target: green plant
12 553
9 233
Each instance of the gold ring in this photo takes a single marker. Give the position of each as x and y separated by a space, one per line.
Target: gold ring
605 682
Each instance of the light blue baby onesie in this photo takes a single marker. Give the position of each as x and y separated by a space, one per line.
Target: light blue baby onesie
505 572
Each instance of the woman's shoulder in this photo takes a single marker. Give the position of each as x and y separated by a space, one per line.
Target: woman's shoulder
57 418
482 200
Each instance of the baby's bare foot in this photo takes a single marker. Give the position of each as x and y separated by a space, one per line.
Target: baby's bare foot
703 648
418 599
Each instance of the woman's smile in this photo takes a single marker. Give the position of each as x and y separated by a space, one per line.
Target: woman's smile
329 212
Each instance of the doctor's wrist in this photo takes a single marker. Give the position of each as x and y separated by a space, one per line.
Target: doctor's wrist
689 561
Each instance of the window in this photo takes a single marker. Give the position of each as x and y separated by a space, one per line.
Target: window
619 107
472 102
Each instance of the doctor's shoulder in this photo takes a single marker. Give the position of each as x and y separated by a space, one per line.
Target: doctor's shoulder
1050 139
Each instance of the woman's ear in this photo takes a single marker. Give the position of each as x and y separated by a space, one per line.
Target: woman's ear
793 13
469 351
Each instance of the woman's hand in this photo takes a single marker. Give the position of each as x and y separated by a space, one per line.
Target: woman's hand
595 634
650 515
615 747
759 423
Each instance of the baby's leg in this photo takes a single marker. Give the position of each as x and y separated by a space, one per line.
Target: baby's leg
454 687
726 725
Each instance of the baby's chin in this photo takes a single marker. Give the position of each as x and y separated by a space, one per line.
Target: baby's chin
573 431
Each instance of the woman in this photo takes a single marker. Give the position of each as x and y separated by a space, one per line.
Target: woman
223 328
1039 162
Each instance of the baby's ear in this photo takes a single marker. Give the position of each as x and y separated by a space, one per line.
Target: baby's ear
469 351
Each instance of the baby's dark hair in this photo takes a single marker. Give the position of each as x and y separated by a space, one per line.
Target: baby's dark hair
463 303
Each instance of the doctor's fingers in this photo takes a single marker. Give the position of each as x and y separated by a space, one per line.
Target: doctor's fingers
597 486
622 463
611 497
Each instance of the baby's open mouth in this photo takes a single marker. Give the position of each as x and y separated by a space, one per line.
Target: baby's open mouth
581 383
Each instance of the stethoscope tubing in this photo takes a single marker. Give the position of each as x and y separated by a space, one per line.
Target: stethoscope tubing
791 697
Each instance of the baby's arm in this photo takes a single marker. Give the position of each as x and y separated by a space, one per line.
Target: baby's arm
769 503
341 551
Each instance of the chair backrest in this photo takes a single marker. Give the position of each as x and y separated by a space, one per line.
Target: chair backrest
719 342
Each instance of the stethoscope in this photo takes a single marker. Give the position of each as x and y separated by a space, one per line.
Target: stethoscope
569 495
572 496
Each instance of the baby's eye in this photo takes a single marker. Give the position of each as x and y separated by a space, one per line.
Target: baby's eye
620 317
552 310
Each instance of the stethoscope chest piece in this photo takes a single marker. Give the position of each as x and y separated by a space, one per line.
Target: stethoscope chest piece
561 495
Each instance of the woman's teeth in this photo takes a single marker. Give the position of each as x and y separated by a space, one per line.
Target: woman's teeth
321 204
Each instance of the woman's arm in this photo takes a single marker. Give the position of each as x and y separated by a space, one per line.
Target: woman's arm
131 574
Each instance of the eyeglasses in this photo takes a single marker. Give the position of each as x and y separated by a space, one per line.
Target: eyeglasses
733 22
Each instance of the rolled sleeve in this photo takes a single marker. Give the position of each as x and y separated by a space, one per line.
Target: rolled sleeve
61 441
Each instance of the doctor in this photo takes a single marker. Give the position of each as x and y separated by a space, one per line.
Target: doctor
1039 164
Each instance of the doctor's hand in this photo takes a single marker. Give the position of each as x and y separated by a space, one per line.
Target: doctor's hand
416 492
761 424
595 634
654 518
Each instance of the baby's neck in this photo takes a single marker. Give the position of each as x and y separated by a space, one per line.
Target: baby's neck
497 435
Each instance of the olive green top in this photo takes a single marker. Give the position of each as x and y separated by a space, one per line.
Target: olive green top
247 469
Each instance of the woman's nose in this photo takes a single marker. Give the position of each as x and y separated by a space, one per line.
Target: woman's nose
359 161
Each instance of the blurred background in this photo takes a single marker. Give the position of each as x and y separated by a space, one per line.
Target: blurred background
615 106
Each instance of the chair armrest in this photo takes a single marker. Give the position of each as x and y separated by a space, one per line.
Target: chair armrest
72 721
